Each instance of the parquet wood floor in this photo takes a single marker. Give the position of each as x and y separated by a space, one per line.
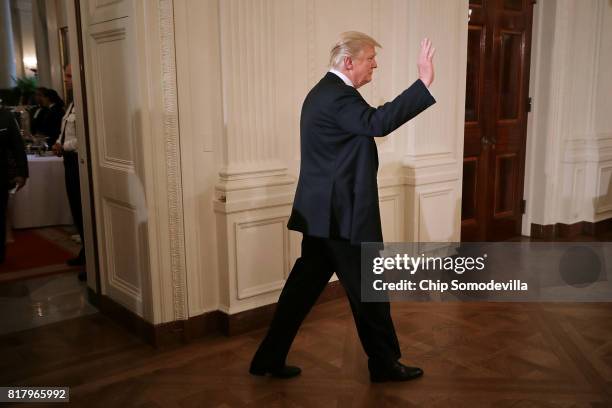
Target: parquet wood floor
474 355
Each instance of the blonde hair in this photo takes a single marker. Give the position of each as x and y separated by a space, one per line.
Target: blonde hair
349 44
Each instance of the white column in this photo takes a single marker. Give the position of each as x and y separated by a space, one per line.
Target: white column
7 54
569 160
17 23
433 155
254 191
248 56
41 40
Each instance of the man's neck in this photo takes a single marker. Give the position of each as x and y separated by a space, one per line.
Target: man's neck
342 76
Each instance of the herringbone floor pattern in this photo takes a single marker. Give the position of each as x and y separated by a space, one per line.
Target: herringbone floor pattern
473 354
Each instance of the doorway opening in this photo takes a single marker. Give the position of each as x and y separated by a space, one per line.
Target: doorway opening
496 107
50 260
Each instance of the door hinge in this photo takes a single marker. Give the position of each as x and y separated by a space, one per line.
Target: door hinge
529 102
523 206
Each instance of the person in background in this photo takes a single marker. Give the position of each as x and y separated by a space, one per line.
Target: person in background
52 122
12 176
39 111
23 116
66 145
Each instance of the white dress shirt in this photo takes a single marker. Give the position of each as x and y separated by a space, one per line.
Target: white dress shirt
342 77
38 110
68 130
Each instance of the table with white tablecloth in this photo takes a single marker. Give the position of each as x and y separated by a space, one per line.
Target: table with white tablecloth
43 200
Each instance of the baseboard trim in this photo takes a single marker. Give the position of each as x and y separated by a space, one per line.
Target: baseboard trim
208 324
239 323
567 231
122 316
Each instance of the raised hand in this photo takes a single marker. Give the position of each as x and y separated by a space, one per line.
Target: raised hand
425 62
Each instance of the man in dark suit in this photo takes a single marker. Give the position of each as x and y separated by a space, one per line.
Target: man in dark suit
13 167
39 112
336 204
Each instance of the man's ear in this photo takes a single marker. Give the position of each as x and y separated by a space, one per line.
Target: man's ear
348 63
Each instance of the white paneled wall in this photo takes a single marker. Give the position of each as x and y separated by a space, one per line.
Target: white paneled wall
243 70
205 212
569 139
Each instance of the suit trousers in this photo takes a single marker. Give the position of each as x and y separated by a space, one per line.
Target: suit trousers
320 258
73 190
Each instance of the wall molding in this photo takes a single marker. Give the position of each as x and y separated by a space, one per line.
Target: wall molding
443 191
565 231
439 170
220 206
594 149
578 189
176 236
249 292
209 323
114 34
599 208
100 11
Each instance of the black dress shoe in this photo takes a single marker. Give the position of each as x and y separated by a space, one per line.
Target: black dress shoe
280 372
394 372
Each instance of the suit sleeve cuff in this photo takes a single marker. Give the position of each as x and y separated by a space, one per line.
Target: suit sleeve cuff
426 90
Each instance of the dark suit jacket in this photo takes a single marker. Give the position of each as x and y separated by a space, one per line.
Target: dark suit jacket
337 191
51 123
38 120
11 148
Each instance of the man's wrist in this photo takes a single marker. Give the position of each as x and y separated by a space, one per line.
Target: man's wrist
425 82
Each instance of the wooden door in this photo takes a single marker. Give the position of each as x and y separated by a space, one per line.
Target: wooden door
496 106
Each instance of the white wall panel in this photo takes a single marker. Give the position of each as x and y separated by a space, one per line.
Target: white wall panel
123 254
437 214
604 189
271 53
262 256
106 10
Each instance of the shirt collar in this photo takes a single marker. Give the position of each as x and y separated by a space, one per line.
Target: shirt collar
342 77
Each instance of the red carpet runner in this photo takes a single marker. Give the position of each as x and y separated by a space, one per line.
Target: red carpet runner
30 250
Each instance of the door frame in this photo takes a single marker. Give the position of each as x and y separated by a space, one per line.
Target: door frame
75 39
535 117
